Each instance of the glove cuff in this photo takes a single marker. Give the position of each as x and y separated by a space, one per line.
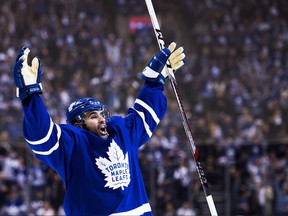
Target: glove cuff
161 79
156 78
24 92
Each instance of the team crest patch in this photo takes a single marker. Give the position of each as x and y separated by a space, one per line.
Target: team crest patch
115 168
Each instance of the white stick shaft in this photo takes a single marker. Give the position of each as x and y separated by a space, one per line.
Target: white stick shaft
211 205
187 128
155 24
158 34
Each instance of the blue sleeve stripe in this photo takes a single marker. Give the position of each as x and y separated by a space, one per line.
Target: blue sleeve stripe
146 126
55 147
45 139
137 211
149 109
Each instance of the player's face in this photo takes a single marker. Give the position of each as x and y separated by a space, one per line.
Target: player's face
96 123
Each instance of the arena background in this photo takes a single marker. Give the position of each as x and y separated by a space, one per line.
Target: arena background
234 87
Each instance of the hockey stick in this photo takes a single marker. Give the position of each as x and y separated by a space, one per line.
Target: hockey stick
186 125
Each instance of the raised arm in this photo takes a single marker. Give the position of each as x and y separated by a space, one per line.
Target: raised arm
40 132
151 105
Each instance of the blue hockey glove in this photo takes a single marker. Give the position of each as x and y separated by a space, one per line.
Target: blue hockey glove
156 71
27 78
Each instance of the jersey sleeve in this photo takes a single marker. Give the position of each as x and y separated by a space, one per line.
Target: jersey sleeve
149 109
46 138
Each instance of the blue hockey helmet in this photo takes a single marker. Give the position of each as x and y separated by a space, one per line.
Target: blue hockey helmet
76 109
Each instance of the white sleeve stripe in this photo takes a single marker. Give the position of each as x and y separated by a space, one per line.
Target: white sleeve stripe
137 211
45 139
55 147
149 109
146 126
148 72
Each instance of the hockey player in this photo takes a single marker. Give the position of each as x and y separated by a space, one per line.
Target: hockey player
95 155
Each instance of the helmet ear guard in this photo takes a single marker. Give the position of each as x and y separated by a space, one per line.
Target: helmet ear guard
80 119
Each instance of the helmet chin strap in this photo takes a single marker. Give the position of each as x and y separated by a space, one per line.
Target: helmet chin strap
84 126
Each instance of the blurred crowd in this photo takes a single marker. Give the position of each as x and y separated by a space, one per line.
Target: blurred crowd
234 88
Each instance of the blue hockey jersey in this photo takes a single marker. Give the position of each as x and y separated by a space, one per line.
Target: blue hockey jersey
102 177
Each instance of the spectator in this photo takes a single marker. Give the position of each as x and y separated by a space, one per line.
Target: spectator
185 210
14 203
45 210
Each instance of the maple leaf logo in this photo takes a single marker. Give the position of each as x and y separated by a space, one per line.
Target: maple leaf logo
116 169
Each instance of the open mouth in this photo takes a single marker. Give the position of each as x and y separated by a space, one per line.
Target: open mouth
103 130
